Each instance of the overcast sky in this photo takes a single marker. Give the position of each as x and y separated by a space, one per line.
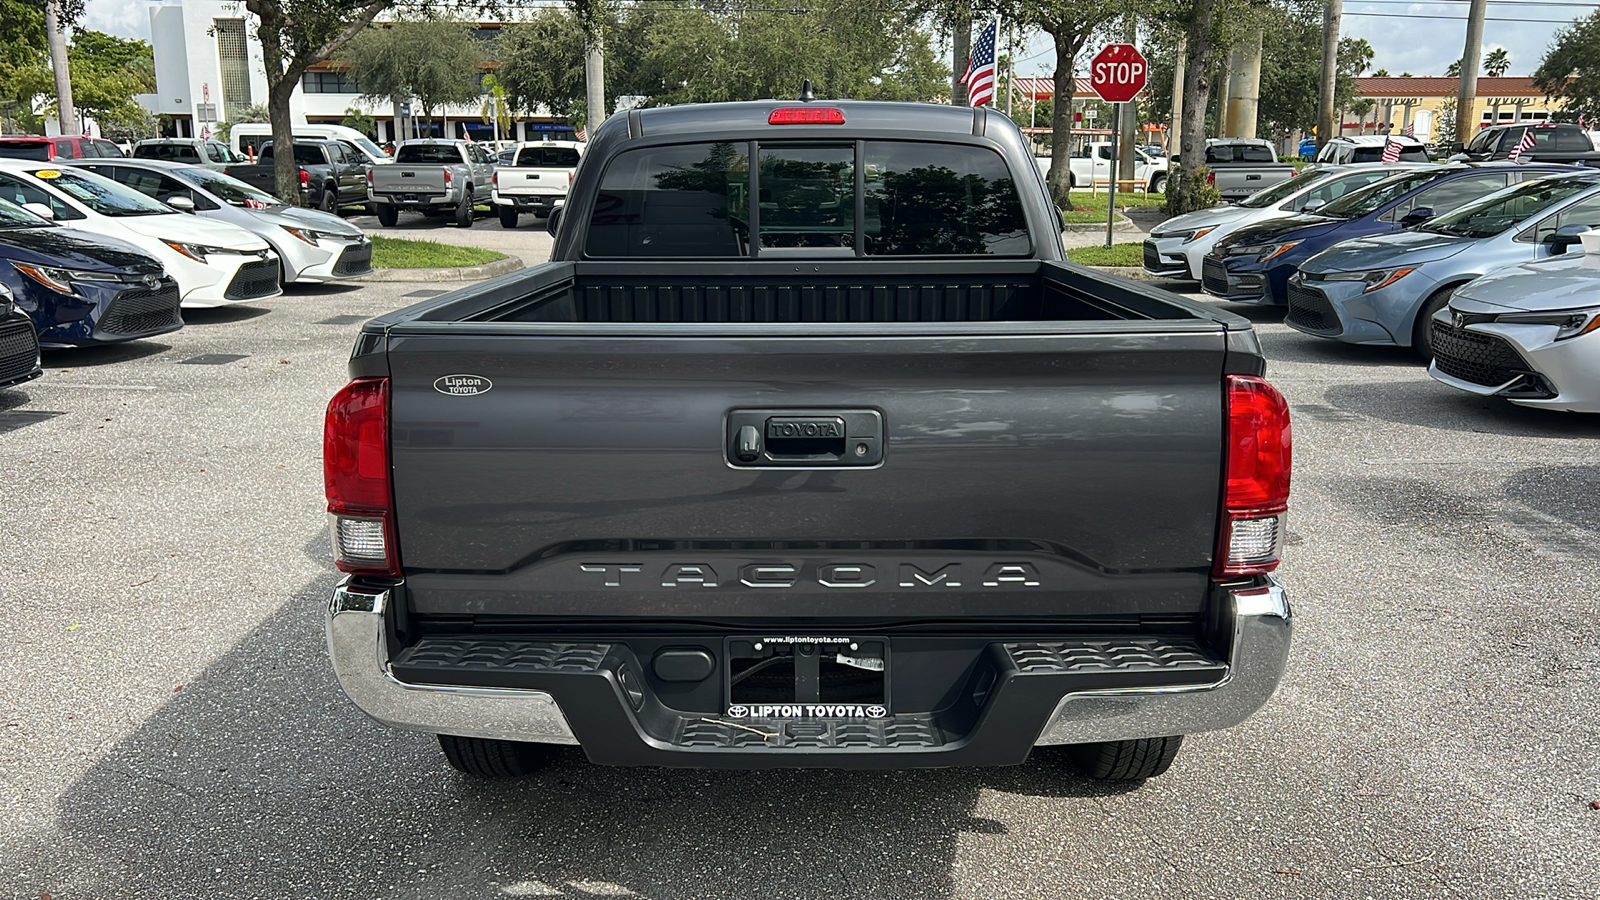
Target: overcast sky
1416 45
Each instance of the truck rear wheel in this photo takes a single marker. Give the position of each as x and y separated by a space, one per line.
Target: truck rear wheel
329 202
1158 184
1127 760
464 209
508 216
486 758
387 215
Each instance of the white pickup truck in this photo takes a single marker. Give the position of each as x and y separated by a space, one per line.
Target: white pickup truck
537 179
1093 164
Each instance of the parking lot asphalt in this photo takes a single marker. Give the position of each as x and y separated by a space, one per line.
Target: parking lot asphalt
170 727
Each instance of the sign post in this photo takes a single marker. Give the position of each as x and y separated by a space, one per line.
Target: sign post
1117 73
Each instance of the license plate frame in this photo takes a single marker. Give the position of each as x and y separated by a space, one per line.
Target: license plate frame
834 677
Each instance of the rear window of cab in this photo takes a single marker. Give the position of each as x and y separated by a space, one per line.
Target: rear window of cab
809 199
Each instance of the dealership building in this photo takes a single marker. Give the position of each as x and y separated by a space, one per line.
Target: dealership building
209 70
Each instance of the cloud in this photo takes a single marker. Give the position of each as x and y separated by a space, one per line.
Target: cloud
123 18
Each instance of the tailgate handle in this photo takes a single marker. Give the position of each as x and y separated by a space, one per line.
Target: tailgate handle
805 438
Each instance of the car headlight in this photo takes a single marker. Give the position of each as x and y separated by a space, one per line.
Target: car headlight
61 280
1372 280
1569 322
196 252
1190 235
1263 252
311 235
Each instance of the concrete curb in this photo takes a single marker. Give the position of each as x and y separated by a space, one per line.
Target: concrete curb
463 273
1122 223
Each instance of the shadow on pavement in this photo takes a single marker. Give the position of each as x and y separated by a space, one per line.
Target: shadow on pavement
260 779
1292 346
222 315
101 354
1432 405
321 288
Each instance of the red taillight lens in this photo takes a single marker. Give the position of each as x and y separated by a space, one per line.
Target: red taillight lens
369 175
448 177
1211 178
355 470
1256 486
806 115
495 179
305 178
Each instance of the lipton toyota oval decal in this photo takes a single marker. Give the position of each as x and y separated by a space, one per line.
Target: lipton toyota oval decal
463 385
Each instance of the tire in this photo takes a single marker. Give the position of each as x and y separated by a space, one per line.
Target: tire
1127 760
387 215
508 217
1072 181
329 202
1158 184
463 215
485 758
1421 331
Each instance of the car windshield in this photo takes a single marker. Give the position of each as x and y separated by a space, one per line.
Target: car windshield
372 150
1374 196
14 216
1283 190
1507 208
228 189
100 194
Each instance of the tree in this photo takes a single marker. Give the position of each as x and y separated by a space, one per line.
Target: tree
541 62
495 110
436 62
1570 70
107 72
1453 70
360 121
1497 63
24 62
1070 24
295 34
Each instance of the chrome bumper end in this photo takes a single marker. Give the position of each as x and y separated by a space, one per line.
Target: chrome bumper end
358 644
1261 629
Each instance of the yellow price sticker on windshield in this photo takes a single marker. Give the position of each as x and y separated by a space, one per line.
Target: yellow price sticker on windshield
47 173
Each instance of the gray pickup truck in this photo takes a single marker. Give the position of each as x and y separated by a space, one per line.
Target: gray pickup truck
808 448
435 178
1238 167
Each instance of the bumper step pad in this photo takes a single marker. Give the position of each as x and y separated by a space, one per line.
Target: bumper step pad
455 655
1166 655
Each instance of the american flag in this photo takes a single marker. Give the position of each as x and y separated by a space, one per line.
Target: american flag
1391 151
1523 145
582 135
205 133
1410 130
980 74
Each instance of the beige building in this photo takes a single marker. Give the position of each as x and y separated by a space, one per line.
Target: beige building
1417 101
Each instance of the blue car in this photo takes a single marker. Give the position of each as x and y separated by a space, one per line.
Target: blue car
1308 148
81 288
1253 264
1386 289
19 345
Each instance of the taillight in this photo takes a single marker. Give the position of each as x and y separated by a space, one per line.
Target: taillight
448 178
1256 486
806 115
355 472
369 176
494 180
305 178
1211 178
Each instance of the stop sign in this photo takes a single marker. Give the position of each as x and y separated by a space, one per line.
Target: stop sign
1118 72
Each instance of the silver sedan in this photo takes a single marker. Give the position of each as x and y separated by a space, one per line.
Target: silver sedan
313 245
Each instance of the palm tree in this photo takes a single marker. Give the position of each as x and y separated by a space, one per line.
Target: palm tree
1496 63
495 108
1453 70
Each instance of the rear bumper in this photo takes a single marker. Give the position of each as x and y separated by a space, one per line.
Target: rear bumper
529 201
586 693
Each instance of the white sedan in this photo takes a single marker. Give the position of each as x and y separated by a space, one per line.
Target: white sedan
1529 333
214 263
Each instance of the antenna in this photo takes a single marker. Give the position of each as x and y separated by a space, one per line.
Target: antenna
806 93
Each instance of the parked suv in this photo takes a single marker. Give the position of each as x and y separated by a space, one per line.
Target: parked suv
194 151
1368 148
44 149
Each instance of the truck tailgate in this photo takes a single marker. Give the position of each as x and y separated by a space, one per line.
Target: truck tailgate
402 179
583 470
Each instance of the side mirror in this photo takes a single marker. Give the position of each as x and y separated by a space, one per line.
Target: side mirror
553 224
42 210
1417 217
1313 205
180 203
1564 237
1456 147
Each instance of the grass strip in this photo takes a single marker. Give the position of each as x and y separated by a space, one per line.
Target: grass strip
398 253
1115 255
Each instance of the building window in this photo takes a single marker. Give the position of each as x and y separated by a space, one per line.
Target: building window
233 53
329 83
